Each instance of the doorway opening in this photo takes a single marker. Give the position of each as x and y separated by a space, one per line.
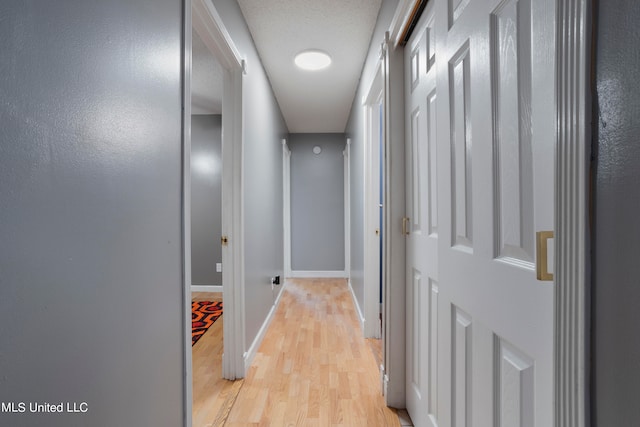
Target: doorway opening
212 171
206 227
374 210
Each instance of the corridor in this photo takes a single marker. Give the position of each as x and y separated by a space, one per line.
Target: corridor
313 367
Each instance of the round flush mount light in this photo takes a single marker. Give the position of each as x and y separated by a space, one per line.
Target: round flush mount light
312 60
317 149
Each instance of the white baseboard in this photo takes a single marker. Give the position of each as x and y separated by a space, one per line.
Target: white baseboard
206 288
300 274
253 350
357 306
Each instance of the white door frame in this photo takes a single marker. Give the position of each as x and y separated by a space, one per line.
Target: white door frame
186 216
394 289
347 209
372 141
204 18
286 208
572 269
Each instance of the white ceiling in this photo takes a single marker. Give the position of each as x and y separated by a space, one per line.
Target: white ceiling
206 79
317 101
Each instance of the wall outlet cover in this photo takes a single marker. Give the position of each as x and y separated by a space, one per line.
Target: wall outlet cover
218 267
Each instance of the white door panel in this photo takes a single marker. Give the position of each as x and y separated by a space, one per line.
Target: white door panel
481 133
422 240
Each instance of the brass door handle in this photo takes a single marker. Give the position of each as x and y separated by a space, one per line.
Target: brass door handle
224 240
542 262
405 226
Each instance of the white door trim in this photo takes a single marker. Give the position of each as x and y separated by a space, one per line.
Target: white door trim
401 18
208 23
571 323
206 288
317 274
347 208
186 217
286 209
573 151
372 142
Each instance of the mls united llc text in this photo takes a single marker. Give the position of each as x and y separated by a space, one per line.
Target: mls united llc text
45 407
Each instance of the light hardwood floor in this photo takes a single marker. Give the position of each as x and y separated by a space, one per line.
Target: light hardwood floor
210 391
313 367
206 296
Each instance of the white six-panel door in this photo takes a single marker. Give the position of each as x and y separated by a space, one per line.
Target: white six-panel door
480 154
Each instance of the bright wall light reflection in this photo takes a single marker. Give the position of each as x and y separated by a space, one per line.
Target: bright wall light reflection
204 164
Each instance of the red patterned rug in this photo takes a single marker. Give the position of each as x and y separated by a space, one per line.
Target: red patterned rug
203 315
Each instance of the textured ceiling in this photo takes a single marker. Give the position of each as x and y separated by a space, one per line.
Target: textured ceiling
317 101
206 79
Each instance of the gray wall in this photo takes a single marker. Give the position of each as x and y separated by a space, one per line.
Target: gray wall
206 199
264 128
355 131
317 202
91 306
616 238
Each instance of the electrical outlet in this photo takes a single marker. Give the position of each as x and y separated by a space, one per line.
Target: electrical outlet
275 281
218 267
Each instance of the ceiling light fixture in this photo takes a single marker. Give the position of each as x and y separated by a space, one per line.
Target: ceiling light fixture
312 60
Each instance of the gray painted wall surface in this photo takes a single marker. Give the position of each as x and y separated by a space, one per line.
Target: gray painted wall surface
206 199
355 131
263 130
317 202
91 306
616 239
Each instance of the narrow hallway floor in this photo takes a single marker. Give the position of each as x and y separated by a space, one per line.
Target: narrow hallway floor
313 368
210 391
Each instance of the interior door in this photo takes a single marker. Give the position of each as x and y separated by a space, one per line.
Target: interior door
421 227
495 96
373 214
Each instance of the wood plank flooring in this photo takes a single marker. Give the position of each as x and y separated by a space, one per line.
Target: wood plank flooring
375 345
313 367
210 391
206 296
